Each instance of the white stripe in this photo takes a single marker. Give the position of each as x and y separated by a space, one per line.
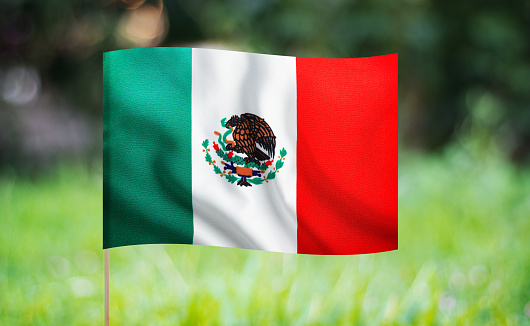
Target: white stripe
227 83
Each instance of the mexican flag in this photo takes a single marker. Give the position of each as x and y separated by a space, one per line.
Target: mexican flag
254 151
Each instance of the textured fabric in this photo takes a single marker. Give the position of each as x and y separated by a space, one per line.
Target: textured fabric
147 149
252 151
347 179
227 83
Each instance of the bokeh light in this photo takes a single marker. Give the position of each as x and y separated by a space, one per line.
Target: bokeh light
144 26
79 37
20 85
447 303
131 4
81 287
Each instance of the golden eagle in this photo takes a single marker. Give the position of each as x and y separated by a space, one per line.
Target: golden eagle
253 137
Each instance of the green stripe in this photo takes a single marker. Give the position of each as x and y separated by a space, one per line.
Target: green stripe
147 147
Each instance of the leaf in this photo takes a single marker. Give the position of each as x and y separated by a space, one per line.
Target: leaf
279 164
205 143
208 158
271 175
237 160
222 154
231 178
251 165
256 181
223 122
217 169
283 152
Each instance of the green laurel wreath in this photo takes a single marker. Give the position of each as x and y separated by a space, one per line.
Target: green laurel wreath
239 160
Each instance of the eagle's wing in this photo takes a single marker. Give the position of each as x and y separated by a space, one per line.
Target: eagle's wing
262 133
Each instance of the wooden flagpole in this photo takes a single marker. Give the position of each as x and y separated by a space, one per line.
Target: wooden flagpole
107 290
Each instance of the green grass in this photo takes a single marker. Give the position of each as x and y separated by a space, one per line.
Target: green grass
463 259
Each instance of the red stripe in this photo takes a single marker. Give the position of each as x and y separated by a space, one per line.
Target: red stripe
347 155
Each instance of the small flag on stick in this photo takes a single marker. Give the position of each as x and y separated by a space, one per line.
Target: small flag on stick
243 150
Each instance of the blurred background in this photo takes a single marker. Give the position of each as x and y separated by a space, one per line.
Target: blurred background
464 187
